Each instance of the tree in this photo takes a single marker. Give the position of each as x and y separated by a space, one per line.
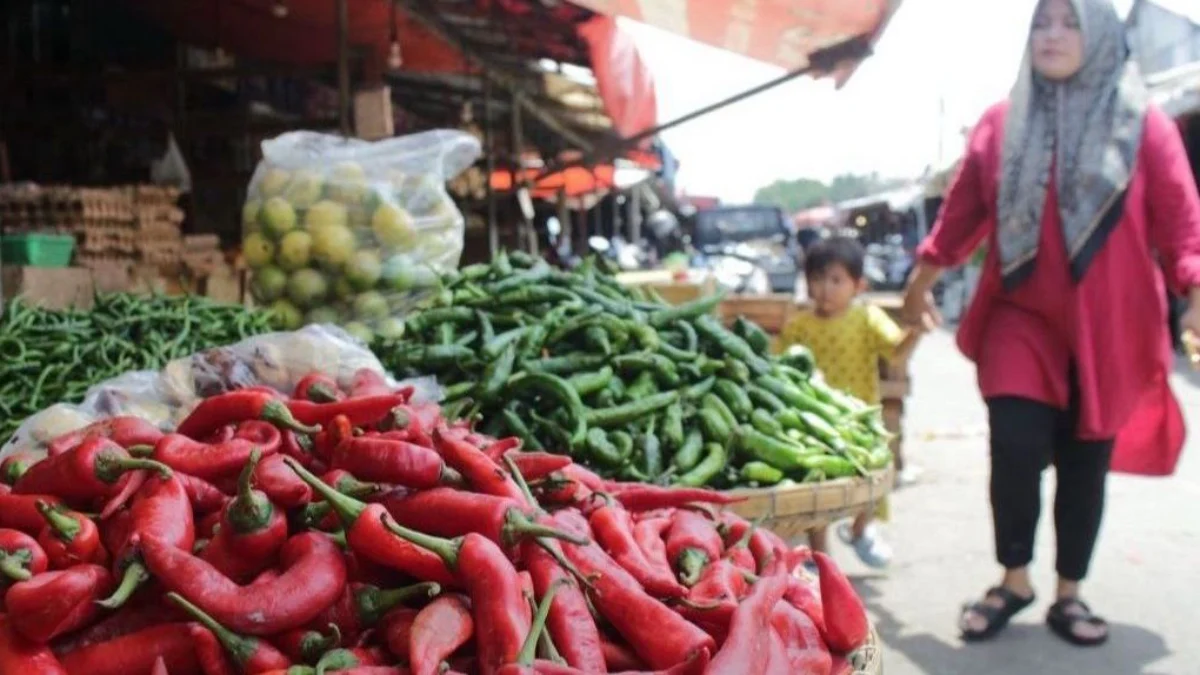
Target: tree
793 195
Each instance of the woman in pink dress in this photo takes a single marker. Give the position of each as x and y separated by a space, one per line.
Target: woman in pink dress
1084 196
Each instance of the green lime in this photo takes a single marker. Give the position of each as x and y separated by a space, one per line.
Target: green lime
273 182
268 283
393 226
323 315
258 250
332 245
390 328
295 250
359 331
250 212
370 305
307 287
304 189
323 214
363 269
277 217
286 314
348 183
402 274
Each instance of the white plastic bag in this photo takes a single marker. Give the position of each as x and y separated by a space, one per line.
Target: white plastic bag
164 398
347 231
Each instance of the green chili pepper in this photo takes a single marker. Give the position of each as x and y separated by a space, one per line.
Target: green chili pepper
688 310
676 354
689 451
761 473
650 451
696 391
735 397
604 451
565 365
778 453
796 398
763 421
517 427
645 335
735 370
711 328
520 281
630 412
672 427
454 315
713 426
486 330
714 403
691 342
823 430
753 334
459 390
466 339
830 466
436 356
445 333
764 399
590 383
561 392
497 374
662 367
596 339
643 385
714 460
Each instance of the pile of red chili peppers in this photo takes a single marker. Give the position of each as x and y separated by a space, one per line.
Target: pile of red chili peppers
361 533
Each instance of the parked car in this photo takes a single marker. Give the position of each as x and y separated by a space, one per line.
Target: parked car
747 241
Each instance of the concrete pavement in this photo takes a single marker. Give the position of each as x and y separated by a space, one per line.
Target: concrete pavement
1144 579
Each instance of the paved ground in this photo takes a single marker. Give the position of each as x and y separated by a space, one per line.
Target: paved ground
1145 577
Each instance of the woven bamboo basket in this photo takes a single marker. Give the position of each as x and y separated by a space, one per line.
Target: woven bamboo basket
868 659
792 511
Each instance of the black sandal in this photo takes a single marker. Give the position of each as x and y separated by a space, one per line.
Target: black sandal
1066 615
997 617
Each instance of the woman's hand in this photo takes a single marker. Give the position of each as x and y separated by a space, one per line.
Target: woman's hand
1189 325
920 311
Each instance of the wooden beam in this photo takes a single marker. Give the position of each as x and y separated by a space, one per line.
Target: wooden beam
504 81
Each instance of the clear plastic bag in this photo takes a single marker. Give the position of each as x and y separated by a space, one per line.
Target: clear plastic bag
164 398
352 232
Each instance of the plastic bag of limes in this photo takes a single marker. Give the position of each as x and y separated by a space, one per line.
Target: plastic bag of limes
353 232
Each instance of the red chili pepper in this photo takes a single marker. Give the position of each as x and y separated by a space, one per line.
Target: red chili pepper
446 512
69 538
846 626
225 433
714 598
206 527
369 382
21 556
582 475
399 462
332 434
613 528
346 483
536 465
90 471
569 622
501 613
314 575
160 510
806 651
648 533
160 667
696 665
210 653
300 447
136 652
144 611
495 449
480 472
318 388
251 532
748 647
804 593
280 484
438 631
692 543
125 431
19 656
841 665
19 512
306 645
368 536
618 658
659 635
235 407
361 606
54 603
765 545
210 462
15 465
204 496
363 411
641 497
251 655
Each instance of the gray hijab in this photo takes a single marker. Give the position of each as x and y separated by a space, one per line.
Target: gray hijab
1088 130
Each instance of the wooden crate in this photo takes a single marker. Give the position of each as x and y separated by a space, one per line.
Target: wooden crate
769 311
49 287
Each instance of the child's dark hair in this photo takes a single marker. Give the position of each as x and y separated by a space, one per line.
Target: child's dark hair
843 251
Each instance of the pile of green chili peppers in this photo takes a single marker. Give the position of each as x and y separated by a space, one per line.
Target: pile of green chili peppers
628 384
49 356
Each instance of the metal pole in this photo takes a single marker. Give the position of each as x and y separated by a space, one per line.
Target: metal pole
343 66
489 135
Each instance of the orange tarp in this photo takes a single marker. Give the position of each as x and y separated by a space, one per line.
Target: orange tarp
782 32
575 181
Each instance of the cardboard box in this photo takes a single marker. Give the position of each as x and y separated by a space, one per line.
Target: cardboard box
49 287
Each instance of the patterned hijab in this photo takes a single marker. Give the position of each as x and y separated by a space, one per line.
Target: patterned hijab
1087 129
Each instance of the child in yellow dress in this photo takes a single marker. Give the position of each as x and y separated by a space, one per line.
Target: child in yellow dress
848 339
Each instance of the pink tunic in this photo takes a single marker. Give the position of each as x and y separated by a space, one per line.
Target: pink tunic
1111 328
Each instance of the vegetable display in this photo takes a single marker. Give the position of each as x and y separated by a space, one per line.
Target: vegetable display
634 388
192 555
53 356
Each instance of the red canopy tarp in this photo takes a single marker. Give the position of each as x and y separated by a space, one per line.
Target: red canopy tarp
782 32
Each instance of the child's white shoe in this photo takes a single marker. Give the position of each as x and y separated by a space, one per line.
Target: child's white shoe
871 549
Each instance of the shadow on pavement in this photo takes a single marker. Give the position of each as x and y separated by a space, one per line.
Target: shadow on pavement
1184 369
1026 646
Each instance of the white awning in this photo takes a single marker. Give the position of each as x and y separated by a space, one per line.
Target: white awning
1177 91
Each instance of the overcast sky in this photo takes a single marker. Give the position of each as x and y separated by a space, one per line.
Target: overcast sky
886 119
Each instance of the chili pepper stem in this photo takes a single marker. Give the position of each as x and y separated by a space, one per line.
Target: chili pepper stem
277 413
352 487
547 545
338 537
12 565
519 479
347 508
140 450
529 648
131 579
111 466
691 565
517 526
374 602
446 549
65 527
321 393
240 648
338 659
250 510
315 643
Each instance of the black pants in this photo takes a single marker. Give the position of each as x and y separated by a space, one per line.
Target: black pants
1027 436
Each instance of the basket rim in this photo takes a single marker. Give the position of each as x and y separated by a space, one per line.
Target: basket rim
868 659
881 475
